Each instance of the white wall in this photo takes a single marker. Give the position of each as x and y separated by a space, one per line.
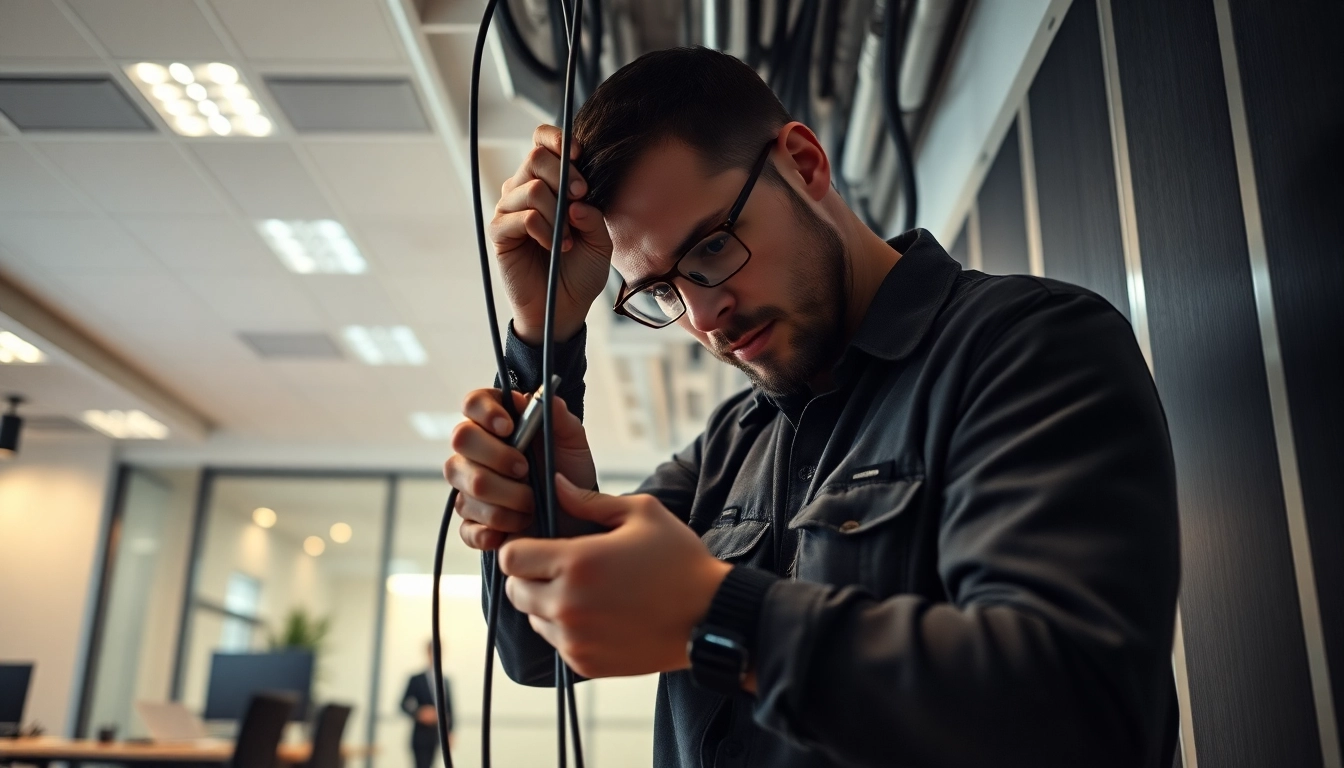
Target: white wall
52 500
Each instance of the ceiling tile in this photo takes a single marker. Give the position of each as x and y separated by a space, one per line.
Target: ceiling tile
352 300
391 178
86 103
206 245
258 304
134 177
27 187
346 104
307 30
144 300
265 179
70 245
439 301
430 246
150 29
36 29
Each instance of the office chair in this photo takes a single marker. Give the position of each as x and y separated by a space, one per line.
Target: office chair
329 725
262 727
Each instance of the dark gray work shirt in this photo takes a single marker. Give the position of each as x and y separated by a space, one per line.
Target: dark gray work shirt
974 534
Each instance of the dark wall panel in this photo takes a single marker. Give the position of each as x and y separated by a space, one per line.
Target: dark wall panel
1292 77
1249 680
1075 168
1003 225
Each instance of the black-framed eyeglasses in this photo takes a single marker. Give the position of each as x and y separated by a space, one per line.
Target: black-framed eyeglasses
719 255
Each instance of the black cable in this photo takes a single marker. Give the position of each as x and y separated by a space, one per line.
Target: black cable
754 20
779 45
830 39
687 35
892 45
563 681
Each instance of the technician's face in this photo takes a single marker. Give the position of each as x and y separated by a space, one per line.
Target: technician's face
780 318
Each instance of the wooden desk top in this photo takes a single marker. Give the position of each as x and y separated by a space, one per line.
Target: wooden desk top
213 751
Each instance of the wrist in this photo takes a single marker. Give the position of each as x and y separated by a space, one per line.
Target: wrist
533 335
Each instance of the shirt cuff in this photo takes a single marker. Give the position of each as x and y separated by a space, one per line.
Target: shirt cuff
570 364
737 603
787 630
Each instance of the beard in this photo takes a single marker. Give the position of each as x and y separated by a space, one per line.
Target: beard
819 299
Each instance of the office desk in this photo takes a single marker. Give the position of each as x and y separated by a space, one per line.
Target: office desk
48 748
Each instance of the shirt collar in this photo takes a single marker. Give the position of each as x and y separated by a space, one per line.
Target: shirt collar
902 310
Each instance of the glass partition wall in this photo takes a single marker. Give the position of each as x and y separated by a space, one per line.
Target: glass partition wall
247 561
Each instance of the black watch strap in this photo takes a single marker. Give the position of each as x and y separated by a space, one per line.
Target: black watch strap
723 645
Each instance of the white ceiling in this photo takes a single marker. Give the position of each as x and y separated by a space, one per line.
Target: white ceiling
146 241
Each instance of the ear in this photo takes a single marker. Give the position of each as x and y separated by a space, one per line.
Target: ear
807 160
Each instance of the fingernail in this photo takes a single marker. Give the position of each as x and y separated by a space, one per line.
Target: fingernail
562 480
576 188
501 425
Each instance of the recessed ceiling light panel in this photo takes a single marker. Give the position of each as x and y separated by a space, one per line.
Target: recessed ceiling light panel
385 345
435 426
203 99
313 247
14 350
126 425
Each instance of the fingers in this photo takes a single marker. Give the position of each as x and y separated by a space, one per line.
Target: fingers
536 598
600 508
492 516
471 441
480 537
486 485
543 163
483 406
535 559
549 136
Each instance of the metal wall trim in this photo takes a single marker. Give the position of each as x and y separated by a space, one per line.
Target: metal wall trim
184 620
974 255
1294 506
380 611
1138 318
1031 207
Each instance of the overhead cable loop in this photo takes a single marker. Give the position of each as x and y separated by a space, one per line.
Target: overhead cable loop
892 42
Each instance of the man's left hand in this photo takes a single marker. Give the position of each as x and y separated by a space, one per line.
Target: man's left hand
617 603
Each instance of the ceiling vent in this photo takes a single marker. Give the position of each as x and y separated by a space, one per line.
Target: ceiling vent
292 346
54 424
349 105
93 103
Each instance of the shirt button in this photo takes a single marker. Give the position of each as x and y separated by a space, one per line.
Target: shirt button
807 472
849 525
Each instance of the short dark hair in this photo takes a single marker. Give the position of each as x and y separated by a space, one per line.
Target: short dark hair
710 101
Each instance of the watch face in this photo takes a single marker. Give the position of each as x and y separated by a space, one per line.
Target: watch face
718 659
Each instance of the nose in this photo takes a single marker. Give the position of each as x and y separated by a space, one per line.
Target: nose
707 309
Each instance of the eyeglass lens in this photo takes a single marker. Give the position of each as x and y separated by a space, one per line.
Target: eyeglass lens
712 261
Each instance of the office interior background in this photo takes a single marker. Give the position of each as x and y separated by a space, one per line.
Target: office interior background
242 320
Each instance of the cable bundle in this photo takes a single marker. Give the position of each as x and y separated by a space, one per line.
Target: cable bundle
544 485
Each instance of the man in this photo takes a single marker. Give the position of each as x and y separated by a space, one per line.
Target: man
418 702
940 528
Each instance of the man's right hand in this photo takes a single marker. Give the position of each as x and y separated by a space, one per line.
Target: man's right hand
494 499
521 231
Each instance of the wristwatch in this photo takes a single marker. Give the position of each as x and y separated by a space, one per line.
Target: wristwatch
722 646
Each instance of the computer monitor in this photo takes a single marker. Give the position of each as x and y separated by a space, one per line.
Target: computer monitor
14 679
235 677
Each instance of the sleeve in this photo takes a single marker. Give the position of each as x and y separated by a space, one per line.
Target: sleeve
409 702
526 657
1058 551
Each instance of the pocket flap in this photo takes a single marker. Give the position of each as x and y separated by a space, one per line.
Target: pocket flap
728 542
857 507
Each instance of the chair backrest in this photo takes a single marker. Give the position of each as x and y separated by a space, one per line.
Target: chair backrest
329 726
259 735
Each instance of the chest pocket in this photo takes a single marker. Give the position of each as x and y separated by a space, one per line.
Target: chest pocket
858 533
734 537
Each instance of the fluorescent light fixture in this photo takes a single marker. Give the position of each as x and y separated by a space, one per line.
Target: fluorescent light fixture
314 545
14 350
464 585
341 532
264 516
385 345
435 426
126 425
313 247
201 99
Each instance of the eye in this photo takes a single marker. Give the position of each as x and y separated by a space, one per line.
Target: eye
658 291
715 245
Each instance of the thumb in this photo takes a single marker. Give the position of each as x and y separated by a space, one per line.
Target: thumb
599 508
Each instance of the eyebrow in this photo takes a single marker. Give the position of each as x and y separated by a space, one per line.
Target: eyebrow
702 228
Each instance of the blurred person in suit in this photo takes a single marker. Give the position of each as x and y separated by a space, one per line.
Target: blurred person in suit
418 702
